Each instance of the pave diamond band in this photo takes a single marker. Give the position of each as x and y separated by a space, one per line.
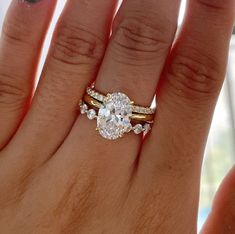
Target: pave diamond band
136 116
100 97
116 114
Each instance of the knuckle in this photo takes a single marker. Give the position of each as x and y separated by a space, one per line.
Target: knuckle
14 32
12 93
76 45
47 97
194 75
216 4
137 36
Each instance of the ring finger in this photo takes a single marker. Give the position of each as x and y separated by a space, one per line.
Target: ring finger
143 33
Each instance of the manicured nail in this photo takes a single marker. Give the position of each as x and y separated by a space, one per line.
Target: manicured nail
32 1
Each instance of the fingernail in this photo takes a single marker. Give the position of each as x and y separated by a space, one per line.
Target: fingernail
31 1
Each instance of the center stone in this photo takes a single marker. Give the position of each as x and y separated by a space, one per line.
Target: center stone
114 116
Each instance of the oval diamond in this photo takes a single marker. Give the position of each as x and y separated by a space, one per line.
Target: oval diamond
114 116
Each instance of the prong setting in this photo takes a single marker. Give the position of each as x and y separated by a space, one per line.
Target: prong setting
114 115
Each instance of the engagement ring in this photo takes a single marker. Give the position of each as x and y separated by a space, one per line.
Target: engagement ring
116 114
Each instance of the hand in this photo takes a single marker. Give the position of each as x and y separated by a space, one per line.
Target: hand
57 174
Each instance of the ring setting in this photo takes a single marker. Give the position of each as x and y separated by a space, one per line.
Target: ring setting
116 114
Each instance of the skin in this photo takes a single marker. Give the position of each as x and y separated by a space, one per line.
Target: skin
57 174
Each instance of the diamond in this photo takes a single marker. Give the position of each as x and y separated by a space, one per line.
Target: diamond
83 108
114 116
99 97
91 114
137 109
147 128
138 128
129 128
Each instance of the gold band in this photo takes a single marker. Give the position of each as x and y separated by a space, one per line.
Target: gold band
92 102
136 108
135 116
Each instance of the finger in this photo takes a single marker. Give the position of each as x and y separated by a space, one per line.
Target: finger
142 35
190 87
20 45
171 156
77 50
221 218
143 32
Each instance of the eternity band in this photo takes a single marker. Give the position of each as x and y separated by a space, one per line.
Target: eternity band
116 114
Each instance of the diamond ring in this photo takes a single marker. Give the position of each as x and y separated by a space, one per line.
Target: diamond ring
116 114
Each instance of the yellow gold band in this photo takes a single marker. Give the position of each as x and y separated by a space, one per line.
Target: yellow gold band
135 116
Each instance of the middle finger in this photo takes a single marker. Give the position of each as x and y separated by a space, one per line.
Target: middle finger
77 49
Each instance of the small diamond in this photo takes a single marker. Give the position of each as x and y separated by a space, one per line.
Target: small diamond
100 97
147 128
91 114
137 109
129 128
138 128
83 108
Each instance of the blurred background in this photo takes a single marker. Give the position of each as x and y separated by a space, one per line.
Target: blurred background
220 150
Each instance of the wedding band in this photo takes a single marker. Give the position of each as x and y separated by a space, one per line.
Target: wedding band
116 114
94 103
100 97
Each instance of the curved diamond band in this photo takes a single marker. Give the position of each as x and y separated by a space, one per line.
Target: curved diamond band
136 116
100 97
116 114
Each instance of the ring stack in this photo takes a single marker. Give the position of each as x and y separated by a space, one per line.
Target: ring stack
116 114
